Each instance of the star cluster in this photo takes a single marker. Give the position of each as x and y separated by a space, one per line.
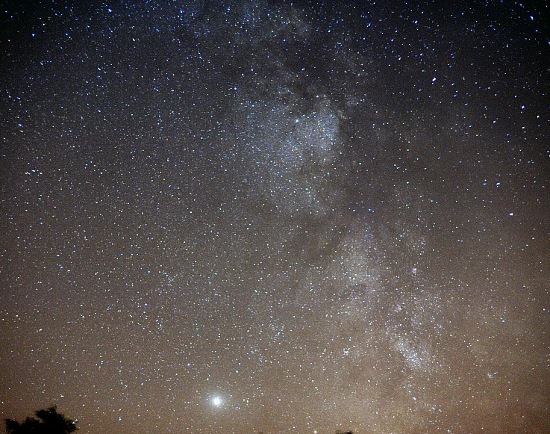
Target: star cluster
268 216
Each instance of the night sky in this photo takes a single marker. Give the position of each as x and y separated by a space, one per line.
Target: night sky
277 217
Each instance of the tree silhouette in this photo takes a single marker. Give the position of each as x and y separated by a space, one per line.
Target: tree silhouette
47 421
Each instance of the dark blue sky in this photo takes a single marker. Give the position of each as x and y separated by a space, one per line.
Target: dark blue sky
234 217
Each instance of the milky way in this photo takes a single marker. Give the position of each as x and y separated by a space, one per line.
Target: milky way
265 216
